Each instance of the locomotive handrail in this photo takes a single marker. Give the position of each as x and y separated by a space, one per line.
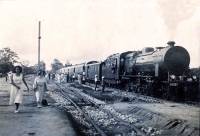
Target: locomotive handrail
147 53
136 76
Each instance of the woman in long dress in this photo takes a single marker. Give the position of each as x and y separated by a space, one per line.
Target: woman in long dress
40 86
17 80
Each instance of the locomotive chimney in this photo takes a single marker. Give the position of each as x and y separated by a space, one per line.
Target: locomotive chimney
170 43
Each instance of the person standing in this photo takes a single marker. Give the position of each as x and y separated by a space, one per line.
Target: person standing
79 78
73 77
58 78
40 86
53 76
49 75
103 83
67 78
61 77
9 76
17 80
83 77
95 80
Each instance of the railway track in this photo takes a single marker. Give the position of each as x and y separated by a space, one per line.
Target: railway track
67 92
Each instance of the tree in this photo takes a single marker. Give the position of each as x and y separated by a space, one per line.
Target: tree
7 60
56 65
25 67
195 71
24 63
67 63
42 66
30 70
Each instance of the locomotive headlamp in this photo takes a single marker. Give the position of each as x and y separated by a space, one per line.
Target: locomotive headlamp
172 76
194 77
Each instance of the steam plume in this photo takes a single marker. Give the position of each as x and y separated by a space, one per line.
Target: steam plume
176 11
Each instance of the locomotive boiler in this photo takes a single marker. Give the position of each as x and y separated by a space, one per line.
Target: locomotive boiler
171 59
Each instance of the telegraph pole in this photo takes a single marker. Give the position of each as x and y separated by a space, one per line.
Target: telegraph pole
39 48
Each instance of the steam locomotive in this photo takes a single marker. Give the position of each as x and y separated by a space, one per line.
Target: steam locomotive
159 72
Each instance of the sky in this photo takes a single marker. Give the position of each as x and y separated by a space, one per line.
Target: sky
82 30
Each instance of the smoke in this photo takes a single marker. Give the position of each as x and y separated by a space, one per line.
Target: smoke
176 11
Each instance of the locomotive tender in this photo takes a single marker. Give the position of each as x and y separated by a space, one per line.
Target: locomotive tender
158 71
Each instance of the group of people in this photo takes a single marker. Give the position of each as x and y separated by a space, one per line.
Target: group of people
17 80
64 77
81 79
103 83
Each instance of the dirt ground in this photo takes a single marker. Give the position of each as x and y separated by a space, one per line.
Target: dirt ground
187 113
46 121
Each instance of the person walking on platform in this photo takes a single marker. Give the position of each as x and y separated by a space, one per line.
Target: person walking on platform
17 80
95 80
40 86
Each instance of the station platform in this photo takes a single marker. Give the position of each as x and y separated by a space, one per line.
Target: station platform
30 120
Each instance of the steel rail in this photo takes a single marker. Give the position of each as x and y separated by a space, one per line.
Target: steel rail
81 111
80 95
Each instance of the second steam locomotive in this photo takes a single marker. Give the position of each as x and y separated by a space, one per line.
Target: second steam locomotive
159 71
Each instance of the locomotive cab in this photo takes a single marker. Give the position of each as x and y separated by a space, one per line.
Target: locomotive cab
128 66
114 67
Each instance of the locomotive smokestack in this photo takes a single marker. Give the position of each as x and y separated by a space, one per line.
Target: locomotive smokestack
170 43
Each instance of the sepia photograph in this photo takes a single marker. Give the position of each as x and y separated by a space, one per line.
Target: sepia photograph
100 68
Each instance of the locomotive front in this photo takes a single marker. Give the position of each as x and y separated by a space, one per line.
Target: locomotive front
176 59
171 59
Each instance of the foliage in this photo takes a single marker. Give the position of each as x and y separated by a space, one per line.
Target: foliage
24 63
194 71
7 60
30 70
67 63
42 66
56 65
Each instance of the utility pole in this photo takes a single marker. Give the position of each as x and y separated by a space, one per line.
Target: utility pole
39 48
